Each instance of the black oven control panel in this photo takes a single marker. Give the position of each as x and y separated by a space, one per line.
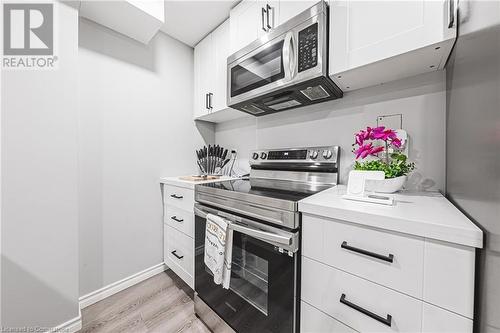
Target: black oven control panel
308 47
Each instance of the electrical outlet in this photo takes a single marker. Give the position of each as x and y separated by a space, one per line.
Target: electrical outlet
394 121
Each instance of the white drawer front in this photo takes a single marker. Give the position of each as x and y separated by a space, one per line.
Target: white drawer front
323 287
336 243
449 276
179 197
178 254
438 320
313 320
180 219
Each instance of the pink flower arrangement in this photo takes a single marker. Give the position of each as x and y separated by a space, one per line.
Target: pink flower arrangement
389 136
371 142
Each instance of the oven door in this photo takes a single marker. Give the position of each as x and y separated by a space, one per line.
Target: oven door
262 296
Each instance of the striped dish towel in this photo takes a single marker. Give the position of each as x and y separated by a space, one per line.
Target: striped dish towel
218 249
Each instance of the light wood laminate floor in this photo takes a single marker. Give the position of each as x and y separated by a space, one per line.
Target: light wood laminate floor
162 303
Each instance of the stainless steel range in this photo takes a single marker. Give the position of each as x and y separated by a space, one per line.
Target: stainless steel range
263 210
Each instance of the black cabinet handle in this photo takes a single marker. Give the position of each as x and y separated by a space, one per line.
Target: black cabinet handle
206 101
263 13
268 10
176 255
451 13
176 219
389 258
175 196
386 321
210 101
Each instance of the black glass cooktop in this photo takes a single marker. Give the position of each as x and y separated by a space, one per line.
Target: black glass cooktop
273 189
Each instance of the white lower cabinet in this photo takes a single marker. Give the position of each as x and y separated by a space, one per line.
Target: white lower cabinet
438 320
375 280
180 219
178 231
179 254
313 320
348 299
179 197
339 243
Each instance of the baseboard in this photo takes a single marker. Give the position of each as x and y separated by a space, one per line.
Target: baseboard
118 286
71 326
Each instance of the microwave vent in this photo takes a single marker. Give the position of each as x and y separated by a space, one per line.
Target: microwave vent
315 93
252 109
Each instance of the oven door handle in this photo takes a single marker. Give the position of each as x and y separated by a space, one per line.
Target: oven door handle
288 241
263 235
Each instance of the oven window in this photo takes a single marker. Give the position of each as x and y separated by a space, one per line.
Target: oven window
250 277
261 69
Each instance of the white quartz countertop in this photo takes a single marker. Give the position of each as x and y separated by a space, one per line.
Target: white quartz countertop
176 181
425 214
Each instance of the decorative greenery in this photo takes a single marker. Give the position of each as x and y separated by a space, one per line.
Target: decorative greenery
396 167
392 164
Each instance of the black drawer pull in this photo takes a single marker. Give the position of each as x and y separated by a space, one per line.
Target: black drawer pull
176 219
175 196
389 258
386 321
176 255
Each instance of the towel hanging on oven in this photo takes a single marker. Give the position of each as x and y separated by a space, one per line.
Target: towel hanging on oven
218 249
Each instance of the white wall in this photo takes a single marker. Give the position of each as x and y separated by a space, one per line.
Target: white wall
136 126
420 99
39 188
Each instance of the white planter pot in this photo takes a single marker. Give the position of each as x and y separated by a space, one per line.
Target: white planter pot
388 185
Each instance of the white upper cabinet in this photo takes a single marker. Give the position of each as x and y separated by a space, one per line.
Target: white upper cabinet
136 19
253 18
210 73
204 72
373 42
220 39
289 9
247 23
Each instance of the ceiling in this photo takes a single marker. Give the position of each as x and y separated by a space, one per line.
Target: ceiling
190 21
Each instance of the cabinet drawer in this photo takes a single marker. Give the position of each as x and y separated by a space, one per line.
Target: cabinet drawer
179 197
393 260
180 219
439 320
358 303
313 320
178 254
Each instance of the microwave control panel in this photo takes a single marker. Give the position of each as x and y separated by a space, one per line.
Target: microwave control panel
308 47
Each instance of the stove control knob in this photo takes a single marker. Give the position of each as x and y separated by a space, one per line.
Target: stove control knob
313 154
263 155
327 154
255 156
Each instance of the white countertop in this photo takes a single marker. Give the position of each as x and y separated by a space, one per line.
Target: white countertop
176 181
425 214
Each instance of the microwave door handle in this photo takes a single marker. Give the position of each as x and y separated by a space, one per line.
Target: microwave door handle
289 56
262 235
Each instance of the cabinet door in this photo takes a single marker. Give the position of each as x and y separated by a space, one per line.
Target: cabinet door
289 9
247 23
221 44
204 72
363 32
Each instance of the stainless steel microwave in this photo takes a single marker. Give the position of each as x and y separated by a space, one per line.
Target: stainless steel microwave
284 69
